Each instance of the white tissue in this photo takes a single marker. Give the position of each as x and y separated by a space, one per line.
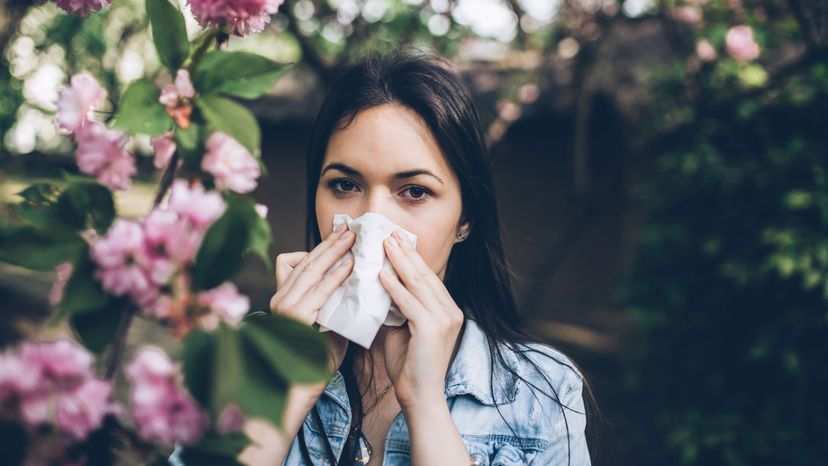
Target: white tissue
360 305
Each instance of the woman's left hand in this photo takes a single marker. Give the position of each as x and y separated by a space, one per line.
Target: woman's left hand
417 354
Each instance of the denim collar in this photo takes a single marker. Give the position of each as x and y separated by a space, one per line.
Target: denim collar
470 372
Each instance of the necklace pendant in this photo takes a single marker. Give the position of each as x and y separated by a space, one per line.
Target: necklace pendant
364 450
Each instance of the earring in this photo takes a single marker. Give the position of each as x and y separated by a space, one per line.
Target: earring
462 236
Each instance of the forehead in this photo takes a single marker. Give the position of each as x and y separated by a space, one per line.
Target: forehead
388 138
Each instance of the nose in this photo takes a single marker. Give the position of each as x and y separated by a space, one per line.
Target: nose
378 200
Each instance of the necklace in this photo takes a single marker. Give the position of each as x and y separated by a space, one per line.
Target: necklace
379 399
364 448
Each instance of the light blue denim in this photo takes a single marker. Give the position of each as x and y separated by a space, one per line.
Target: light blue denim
540 426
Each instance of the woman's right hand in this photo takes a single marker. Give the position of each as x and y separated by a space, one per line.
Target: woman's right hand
302 286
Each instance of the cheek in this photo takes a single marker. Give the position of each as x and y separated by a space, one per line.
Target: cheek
433 248
324 216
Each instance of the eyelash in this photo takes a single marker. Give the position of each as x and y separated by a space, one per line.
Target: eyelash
333 184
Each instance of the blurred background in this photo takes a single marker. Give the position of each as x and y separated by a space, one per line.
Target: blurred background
662 173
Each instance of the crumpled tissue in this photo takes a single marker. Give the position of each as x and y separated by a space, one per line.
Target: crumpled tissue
361 305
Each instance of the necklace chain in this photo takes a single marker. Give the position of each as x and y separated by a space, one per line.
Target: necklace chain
379 399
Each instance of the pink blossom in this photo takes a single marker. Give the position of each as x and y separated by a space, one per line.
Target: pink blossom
151 365
705 50
230 163
101 154
64 271
16 376
243 16
76 101
164 148
740 44
230 420
51 383
163 410
60 361
194 203
80 411
181 88
117 255
261 209
81 7
170 239
223 303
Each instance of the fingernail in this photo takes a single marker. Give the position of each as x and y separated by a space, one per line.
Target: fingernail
339 227
346 236
393 242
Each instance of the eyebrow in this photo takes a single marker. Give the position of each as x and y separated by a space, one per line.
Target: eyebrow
397 176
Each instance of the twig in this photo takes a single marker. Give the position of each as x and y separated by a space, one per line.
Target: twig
126 318
119 342
166 180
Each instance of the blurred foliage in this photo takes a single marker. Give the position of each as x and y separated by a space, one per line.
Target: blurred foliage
730 285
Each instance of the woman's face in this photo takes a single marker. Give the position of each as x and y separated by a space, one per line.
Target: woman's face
387 161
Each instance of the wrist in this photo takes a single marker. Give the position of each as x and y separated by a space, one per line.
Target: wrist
423 403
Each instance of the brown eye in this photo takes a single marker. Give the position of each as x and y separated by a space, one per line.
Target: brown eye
418 193
341 185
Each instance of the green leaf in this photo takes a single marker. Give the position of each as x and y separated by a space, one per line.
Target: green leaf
294 350
240 74
260 237
188 144
197 358
239 230
263 392
168 33
83 204
40 194
231 118
222 251
83 293
36 249
140 112
229 368
96 330
90 202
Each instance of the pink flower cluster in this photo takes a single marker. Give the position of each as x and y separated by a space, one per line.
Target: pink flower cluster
142 259
51 383
230 163
163 410
150 261
243 16
740 44
223 303
164 148
100 151
82 7
177 97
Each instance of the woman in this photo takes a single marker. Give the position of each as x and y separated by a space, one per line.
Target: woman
459 383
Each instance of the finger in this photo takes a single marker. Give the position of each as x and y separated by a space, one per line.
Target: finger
320 248
415 281
437 286
314 270
285 263
409 306
319 294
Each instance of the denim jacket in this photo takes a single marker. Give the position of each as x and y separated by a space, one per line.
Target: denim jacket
538 434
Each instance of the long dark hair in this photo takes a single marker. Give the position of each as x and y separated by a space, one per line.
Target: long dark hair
477 275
